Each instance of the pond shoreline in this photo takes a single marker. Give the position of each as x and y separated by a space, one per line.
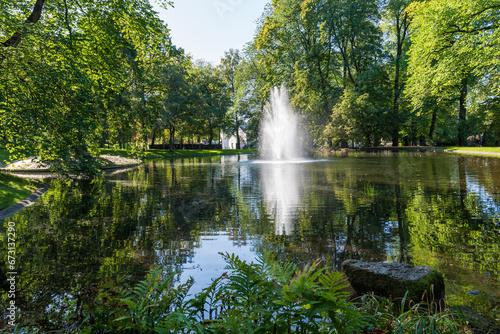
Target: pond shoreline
30 169
28 201
419 149
115 162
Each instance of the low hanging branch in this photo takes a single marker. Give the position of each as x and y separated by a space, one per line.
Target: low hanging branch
35 15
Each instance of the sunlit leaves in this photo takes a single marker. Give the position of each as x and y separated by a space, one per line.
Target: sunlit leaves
318 49
68 65
450 40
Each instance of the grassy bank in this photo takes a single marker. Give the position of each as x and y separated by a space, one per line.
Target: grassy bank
484 150
150 154
14 189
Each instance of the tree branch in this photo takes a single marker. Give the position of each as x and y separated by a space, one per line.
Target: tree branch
484 10
471 31
34 17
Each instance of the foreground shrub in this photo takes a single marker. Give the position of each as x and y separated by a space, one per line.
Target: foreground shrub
261 297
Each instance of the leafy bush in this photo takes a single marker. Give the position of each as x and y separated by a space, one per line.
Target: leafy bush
267 297
114 307
262 297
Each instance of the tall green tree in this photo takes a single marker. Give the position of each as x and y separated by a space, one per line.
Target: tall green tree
228 68
214 99
399 23
175 94
60 65
318 48
453 43
251 93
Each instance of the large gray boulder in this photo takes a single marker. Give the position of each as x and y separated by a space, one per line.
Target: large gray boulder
393 280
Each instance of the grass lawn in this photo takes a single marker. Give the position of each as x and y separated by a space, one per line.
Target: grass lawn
14 189
478 149
474 150
176 153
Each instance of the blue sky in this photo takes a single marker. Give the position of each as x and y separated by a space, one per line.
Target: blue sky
207 28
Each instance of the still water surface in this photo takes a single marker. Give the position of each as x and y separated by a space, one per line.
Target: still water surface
434 209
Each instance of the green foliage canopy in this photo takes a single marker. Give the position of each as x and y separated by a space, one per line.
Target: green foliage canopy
60 65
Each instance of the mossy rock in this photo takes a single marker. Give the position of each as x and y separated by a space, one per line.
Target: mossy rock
395 280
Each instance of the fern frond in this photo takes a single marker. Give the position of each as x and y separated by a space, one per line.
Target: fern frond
279 272
335 283
233 261
176 296
177 322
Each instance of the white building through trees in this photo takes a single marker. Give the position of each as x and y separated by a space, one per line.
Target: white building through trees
230 141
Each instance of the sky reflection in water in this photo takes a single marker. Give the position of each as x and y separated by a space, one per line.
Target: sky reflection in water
427 209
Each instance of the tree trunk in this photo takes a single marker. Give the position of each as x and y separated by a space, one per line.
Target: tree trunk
433 123
401 30
171 139
211 138
237 134
35 15
144 119
462 114
395 129
153 138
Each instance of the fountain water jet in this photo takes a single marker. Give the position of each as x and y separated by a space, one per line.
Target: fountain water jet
281 173
279 132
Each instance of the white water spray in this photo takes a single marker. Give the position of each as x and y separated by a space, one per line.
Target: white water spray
280 149
279 128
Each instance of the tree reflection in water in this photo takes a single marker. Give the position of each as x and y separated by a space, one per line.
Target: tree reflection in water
427 209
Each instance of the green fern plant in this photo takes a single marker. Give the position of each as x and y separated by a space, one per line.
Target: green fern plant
242 297
209 301
150 301
269 297
316 301
262 297
113 306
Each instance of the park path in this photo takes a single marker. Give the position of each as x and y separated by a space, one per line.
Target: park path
30 200
23 168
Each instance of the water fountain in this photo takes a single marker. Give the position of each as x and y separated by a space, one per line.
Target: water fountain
281 175
279 132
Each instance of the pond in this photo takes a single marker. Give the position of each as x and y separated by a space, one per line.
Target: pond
434 209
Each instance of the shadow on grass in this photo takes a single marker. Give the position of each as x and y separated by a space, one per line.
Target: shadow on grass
14 189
